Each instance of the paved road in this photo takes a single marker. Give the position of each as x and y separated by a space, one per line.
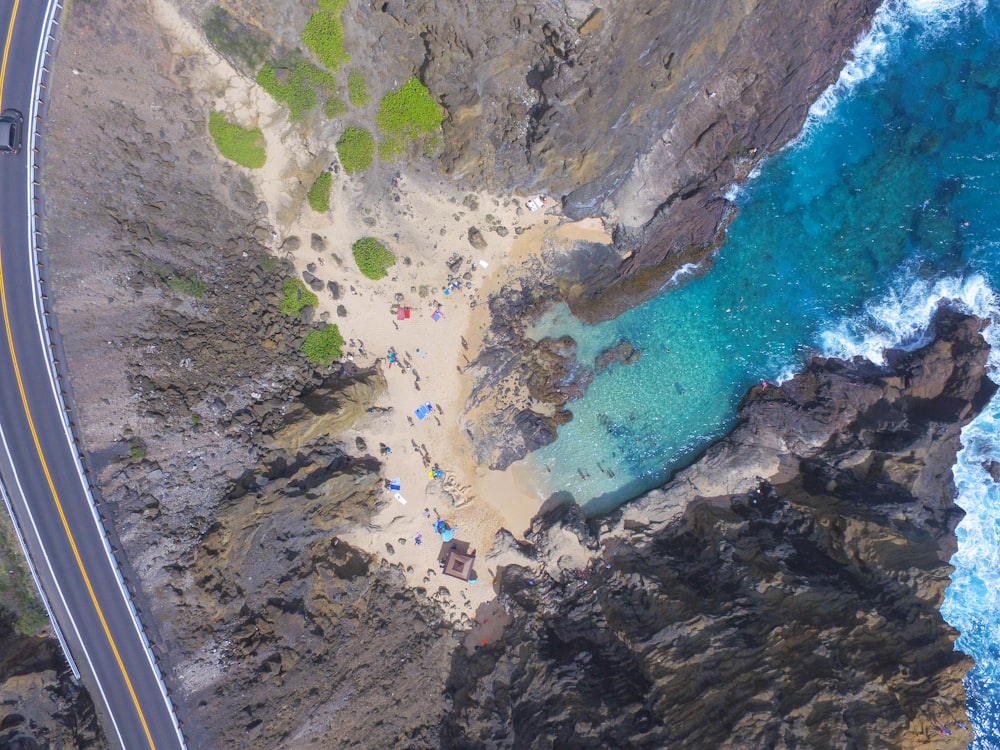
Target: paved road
38 465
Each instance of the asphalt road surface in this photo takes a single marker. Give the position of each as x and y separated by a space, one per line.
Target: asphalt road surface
38 463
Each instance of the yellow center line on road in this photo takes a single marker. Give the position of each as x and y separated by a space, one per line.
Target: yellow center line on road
38 447
6 48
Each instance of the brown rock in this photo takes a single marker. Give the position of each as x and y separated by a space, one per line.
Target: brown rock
476 239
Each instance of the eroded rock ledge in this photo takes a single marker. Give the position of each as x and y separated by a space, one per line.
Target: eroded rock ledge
781 592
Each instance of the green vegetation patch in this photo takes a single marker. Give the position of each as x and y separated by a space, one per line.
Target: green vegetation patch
324 34
295 297
237 40
137 449
409 112
372 257
297 85
192 286
323 345
356 149
319 194
245 147
357 88
334 107
17 589
390 148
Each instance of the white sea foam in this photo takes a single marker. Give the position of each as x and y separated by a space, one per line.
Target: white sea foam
684 272
737 189
972 602
902 319
886 35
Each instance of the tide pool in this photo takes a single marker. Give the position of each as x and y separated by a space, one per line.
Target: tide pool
845 244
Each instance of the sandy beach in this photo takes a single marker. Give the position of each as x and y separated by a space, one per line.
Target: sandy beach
431 227
425 221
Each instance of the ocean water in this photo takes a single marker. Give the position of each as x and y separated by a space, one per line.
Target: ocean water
846 243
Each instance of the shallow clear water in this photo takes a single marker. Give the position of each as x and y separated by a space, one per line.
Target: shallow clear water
845 244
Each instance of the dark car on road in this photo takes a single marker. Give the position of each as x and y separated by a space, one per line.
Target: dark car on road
11 128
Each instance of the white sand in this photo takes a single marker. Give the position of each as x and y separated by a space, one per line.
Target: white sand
427 224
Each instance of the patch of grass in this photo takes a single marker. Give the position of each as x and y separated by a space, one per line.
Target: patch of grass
334 107
409 112
433 145
137 449
267 262
356 149
192 286
324 34
323 345
296 297
298 87
234 39
17 589
245 147
372 257
357 88
319 194
390 148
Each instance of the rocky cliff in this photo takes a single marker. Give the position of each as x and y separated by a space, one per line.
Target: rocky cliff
643 113
41 706
213 439
781 592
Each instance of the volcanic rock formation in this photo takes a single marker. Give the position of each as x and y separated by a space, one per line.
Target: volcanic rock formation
781 592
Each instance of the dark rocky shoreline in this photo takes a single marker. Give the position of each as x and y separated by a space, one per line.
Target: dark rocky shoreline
800 608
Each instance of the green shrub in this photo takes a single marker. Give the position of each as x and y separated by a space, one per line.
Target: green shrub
432 145
298 92
334 107
17 591
236 144
137 449
372 257
390 148
319 194
296 297
189 285
324 34
409 111
323 345
356 149
357 88
295 93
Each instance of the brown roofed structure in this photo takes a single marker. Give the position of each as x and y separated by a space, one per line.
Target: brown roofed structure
459 565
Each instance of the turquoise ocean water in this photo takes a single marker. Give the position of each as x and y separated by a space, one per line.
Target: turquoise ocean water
846 242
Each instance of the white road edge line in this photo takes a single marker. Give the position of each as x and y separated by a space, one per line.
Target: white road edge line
53 6
48 564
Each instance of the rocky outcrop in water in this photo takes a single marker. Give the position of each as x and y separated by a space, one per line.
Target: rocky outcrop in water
624 352
522 386
781 592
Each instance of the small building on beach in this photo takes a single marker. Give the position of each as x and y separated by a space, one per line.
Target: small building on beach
459 565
